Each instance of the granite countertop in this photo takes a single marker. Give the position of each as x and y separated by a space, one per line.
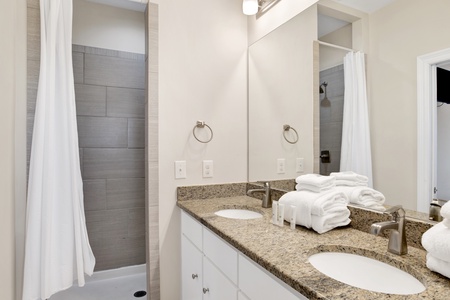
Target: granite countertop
284 252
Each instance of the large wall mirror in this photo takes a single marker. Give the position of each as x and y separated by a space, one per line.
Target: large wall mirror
285 84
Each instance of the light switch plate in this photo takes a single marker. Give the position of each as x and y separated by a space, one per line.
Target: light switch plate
180 169
208 169
281 166
299 167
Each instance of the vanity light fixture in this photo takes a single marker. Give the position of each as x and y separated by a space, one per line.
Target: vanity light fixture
250 7
257 7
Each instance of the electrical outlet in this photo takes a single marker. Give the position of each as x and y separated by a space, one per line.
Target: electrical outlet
180 169
281 166
208 169
299 167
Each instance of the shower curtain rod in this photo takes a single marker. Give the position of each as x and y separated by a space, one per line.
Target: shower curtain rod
336 46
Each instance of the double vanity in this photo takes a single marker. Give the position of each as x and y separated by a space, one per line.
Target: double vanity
241 253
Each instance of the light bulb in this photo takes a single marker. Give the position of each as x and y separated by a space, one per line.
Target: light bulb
250 7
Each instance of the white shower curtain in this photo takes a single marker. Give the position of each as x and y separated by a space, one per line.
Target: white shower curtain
355 151
57 249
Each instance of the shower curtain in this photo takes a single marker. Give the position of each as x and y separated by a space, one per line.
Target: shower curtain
355 151
57 250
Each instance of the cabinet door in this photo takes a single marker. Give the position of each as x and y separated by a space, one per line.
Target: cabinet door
191 271
216 286
258 284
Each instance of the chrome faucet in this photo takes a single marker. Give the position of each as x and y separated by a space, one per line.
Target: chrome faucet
397 238
267 197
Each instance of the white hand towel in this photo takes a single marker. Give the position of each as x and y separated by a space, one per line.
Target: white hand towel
364 196
436 241
349 178
446 222
437 265
314 183
319 211
445 210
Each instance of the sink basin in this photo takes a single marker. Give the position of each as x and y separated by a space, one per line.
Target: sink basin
241 214
366 273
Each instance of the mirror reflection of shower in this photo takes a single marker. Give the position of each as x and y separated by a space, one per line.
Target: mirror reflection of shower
323 90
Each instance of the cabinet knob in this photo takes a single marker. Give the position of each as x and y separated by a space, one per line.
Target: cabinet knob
205 290
194 276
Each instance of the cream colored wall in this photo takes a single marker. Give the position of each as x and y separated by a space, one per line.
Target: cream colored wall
332 57
202 76
276 16
12 85
280 92
108 27
398 34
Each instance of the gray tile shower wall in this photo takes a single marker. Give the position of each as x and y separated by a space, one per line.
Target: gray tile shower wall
331 118
110 99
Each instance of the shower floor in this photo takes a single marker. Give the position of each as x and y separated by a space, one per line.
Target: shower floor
120 284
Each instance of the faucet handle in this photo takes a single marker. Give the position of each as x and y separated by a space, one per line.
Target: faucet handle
395 212
265 183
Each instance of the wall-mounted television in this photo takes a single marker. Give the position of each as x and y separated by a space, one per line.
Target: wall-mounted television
443 85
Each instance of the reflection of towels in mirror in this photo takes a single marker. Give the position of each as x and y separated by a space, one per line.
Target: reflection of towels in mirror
364 196
349 178
314 183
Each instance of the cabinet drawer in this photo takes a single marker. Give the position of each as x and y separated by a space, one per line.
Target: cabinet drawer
192 229
221 254
258 284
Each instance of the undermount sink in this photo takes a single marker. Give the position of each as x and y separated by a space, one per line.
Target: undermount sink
366 273
241 214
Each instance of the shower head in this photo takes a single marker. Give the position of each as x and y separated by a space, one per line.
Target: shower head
321 90
325 102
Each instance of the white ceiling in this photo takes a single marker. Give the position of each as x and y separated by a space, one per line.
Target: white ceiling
368 6
137 5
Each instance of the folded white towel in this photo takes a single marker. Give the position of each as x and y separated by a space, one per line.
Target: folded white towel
319 211
445 210
364 196
436 241
313 188
438 265
349 178
314 183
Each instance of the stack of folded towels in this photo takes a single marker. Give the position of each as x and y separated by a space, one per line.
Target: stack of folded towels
317 204
357 191
436 241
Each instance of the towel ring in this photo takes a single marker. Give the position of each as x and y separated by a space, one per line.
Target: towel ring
201 124
286 128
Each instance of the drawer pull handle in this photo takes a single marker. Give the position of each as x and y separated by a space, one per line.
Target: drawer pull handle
205 290
194 276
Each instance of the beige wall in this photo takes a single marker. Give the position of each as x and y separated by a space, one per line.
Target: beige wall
202 76
276 16
398 34
332 57
108 27
12 85
280 92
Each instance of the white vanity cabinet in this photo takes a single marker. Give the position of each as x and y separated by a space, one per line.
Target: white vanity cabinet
209 265
214 270
258 284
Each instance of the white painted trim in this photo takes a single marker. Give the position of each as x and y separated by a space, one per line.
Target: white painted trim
426 125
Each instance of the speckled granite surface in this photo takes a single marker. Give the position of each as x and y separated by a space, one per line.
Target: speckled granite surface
284 252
